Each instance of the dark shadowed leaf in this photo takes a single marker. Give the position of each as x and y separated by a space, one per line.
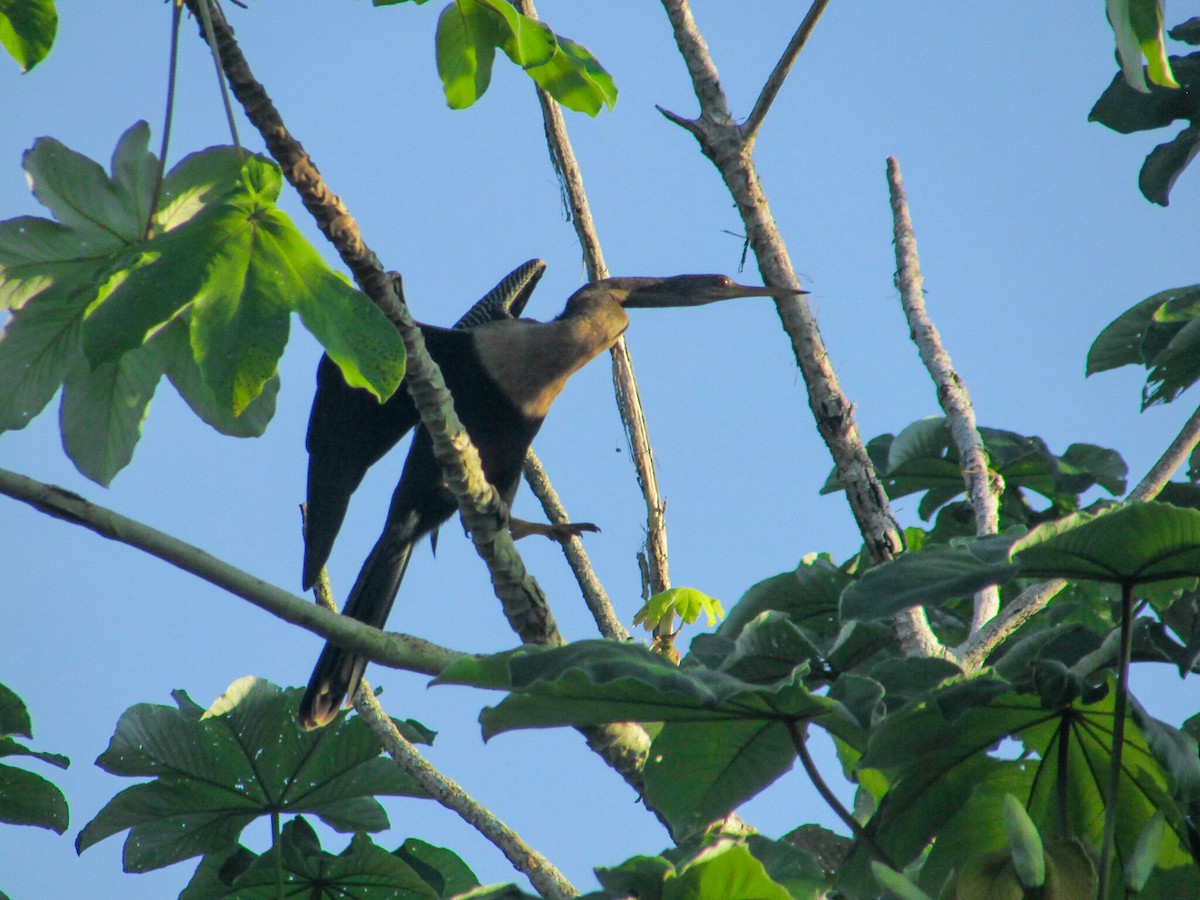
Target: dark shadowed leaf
1135 544
935 575
364 871
214 774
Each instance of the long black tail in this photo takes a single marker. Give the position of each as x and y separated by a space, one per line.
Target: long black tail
338 671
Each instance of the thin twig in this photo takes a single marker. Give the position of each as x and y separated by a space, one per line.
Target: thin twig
800 742
983 489
205 11
399 651
721 140
629 403
775 80
593 591
546 878
168 115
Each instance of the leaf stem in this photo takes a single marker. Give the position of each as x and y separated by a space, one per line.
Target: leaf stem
799 733
1119 706
168 115
277 850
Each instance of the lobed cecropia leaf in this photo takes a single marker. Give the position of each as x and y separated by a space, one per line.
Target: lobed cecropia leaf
113 295
216 772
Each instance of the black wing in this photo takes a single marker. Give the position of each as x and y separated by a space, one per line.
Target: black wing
349 430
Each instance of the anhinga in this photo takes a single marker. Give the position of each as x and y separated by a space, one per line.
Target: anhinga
503 375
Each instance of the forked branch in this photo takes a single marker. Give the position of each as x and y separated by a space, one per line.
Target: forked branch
723 142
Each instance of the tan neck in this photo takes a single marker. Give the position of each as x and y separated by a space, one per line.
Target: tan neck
531 361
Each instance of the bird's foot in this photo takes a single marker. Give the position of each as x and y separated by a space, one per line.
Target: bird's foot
562 532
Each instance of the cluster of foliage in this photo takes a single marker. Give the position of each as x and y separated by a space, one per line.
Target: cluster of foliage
1024 778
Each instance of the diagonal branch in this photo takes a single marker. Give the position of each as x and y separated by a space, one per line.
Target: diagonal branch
983 486
782 68
593 591
399 651
629 404
722 141
542 873
482 510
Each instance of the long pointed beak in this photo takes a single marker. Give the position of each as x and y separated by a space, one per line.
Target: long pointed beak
697 290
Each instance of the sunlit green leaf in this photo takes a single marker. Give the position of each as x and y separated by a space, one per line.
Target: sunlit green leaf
27 29
1028 856
724 870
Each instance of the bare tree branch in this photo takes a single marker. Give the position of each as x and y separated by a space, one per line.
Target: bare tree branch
593 591
722 141
1173 457
782 68
546 878
983 486
399 651
629 403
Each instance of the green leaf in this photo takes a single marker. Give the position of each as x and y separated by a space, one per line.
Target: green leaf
935 575
575 78
1028 856
599 682
442 869
103 409
466 48
14 716
895 882
946 784
1137 25
185 375
363 870
214 774
1166 162
809 596
791 866
27 29
1134 544
1145 853
641 877
923 457
470 31
687 603
1126 109
698 772
29 799
1136 337
26 798
723 871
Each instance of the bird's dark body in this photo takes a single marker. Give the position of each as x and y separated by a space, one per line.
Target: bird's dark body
504 374
421 501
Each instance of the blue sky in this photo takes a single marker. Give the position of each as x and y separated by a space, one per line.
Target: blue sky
1032 236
